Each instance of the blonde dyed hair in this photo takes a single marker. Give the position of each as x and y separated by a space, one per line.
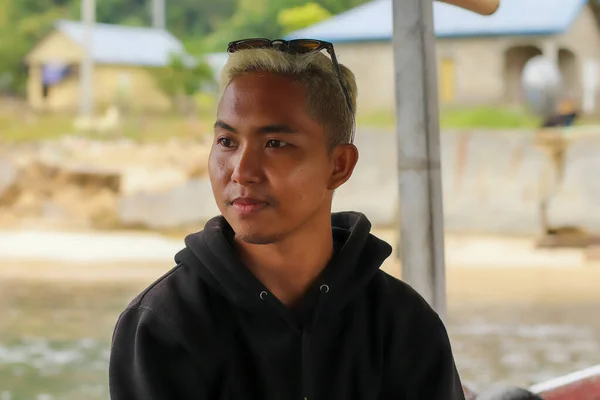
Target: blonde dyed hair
326 102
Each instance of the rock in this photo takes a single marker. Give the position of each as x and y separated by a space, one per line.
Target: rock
189 204
137 179
89 177
54 212
27 205
77 205
101 210
8 176
66 194
198 168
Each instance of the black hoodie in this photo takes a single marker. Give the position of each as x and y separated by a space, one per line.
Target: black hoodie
210 330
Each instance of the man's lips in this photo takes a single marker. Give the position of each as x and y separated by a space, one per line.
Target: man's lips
248 205
247 201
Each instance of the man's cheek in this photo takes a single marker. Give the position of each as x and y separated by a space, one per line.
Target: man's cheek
217 169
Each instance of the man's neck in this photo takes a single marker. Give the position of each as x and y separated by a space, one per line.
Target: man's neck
289 268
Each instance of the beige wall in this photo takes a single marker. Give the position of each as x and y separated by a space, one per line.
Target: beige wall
34 87
134 86
584 36
583 39
62 97
373 66
482 72
55 47
478 68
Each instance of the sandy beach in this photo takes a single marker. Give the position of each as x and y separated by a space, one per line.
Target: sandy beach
483 268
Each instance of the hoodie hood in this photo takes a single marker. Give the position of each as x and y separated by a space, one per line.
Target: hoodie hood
359 255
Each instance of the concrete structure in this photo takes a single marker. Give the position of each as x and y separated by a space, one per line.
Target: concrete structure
189 204
123 57
480 58
493 183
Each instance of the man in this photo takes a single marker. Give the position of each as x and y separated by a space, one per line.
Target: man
278 298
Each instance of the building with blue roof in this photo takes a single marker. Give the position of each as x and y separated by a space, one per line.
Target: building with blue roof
122 57
480 58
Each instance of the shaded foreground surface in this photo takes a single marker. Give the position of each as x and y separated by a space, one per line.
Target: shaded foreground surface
516 316
55 338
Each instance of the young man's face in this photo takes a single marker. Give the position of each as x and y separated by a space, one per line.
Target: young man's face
270 168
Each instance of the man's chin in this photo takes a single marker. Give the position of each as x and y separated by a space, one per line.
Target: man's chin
256 238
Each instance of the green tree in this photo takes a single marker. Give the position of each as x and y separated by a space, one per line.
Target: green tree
339 6
295 18
182 79
273 18
205 25
24 31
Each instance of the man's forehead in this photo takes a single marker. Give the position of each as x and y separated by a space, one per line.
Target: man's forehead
258 95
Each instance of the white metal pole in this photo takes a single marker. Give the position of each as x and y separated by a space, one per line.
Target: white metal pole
88 17
159 14
418 140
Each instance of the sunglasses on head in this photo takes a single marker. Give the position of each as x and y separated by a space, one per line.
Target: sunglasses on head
296 46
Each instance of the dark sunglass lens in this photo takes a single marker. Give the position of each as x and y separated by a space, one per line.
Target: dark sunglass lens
249 44
304 46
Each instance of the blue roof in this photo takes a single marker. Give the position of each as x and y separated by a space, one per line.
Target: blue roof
125 45
373 21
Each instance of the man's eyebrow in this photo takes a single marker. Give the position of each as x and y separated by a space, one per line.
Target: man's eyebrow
277 129
223 125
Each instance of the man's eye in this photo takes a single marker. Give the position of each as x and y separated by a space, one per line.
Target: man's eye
226 142
276 144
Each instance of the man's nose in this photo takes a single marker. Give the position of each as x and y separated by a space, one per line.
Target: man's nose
247 166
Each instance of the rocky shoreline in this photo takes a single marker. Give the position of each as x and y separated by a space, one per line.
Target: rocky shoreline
82 183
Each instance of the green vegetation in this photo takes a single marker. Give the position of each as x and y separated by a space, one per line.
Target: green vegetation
292 19
462 118
22 128
378 119
30 127
487 117
203 26
181 80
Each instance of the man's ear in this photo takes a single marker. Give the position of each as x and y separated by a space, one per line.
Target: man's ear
344 158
